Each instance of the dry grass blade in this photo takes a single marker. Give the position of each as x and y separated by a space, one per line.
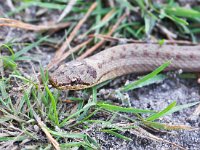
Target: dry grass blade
180 127
104 19
164 126
14 118
124 40
107 16
67 9
167 32
73 33
92 49
36 115
111 3
196 112
10 4
66 54
110 38
37 28
49 136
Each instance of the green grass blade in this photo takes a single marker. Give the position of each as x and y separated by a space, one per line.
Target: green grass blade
26 98
103 23
122 109
8 62
73 144
67 135
117 135
94 94
183 12
24 79
29 47
150 22
18 9
156 79
18 138
54 105
86 107
178 20
180 107
161 113
4 97
132 85
46 5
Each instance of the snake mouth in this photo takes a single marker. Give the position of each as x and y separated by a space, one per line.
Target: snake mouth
68 86
53 82
74 87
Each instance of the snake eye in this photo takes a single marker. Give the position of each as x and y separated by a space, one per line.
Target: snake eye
74 79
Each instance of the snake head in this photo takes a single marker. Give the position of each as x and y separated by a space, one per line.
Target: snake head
73 76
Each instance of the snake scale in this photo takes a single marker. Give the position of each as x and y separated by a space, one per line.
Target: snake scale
124 59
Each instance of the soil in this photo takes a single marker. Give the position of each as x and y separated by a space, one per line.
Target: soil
155 97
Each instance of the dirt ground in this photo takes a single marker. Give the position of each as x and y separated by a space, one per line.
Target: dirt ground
159 96
154 97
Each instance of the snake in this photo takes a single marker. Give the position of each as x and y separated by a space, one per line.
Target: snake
121 60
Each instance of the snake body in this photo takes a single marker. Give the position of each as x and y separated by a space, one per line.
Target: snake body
121 60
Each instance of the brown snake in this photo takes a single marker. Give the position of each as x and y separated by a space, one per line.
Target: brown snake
121 60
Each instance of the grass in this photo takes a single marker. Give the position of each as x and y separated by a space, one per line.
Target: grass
71 122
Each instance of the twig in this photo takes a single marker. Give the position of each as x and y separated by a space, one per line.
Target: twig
43 127
38 28
92 49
